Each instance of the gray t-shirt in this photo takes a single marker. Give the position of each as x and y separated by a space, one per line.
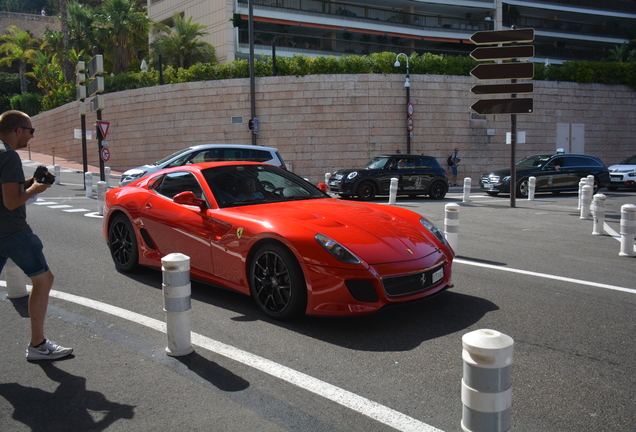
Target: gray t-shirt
12 222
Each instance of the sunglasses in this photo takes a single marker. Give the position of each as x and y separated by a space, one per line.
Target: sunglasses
32 130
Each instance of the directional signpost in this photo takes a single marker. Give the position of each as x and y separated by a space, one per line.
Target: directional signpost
81 96
95 88
513 70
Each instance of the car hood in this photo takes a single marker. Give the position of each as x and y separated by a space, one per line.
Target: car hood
502 172
370 231
143 168
622 168
346 171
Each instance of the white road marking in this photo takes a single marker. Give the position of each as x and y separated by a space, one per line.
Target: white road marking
46 203
357 403
76 210
546 276
59 206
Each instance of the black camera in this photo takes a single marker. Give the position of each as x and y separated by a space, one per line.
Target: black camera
42 175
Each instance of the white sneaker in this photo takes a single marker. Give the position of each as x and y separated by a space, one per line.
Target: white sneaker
48 350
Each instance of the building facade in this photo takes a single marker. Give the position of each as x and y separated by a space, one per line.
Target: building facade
564 29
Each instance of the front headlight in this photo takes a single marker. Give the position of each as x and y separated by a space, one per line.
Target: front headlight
632 174
352 175
134 175
434 230
505 179
336 249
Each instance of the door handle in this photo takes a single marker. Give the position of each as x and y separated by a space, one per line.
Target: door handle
148 205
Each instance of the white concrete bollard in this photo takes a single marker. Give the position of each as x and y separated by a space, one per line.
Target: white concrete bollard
590 182
393 190
88 181
586 201
327 177
451 225
486 384
582 183
467 185
628 229
107 176
56 173
16 280
177 303
532 187
598 214
101 194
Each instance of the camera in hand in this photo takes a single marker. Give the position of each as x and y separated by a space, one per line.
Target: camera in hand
42 175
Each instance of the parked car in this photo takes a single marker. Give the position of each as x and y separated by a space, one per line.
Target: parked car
266 232
623 174
554 173
416 174
207 153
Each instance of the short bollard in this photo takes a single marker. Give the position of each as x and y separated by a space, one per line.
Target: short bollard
451 224
532 187
16 280
327 177
107 176
393 190
486 384
628 229
56 173
590 181
582 183
88 181
467 185
598 213
101 194
586 201
176 303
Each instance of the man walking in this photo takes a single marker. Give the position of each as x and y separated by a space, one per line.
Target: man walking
453 160
17 240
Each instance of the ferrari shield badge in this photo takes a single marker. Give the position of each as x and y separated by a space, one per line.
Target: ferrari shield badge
239 233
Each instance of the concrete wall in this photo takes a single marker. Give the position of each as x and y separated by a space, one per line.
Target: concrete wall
324 122
36 24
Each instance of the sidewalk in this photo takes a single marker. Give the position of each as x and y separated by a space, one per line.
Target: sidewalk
44 159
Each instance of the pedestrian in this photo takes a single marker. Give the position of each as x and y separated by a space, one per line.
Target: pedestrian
43 12
17 240
452 161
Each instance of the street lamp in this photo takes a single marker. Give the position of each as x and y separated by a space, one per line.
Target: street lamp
407 86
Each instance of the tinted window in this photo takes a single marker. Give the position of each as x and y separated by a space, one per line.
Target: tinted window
174 183
427 162
578 161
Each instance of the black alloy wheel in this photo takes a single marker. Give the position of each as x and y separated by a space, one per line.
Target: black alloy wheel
123 244
277 282
366 191
438 190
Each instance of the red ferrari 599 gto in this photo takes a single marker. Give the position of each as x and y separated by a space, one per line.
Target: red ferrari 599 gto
264 231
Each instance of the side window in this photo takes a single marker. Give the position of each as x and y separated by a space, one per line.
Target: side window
177 182
424 163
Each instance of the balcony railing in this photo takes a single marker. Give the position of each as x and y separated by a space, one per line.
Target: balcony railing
608 30
609 5
368 14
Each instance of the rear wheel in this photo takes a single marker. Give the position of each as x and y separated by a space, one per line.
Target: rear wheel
366 191
277 282
493 193
123 244
438 190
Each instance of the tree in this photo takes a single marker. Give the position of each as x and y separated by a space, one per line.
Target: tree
123 30
66 64
180 45
81 19
18 46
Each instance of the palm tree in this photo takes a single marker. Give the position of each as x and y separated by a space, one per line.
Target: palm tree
66 64
180 46
81 20
123 30
19 47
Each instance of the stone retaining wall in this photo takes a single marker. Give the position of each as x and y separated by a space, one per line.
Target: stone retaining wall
324 122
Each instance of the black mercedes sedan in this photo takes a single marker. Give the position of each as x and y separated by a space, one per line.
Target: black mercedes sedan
416 174
554 173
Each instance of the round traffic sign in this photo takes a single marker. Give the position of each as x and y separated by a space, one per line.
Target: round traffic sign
105 153
410 109
410 124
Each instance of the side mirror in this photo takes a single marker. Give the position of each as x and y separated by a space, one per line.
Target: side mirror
323 187
189 198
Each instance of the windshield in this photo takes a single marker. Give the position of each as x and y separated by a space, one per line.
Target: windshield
239 185
629 161
377 162
167 158
534 161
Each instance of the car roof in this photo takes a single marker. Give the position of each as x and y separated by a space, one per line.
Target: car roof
209 146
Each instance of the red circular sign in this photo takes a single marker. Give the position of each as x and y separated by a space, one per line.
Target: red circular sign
410 109
105 154
409 123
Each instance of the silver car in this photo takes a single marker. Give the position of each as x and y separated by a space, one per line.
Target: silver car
623 174
207 153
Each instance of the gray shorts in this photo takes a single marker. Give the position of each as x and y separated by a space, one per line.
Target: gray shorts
26 251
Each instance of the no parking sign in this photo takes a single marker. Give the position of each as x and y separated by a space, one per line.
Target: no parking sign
105 153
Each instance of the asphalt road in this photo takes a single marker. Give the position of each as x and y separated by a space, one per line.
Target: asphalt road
534 272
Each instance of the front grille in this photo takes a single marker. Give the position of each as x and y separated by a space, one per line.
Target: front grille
362 291
413 283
